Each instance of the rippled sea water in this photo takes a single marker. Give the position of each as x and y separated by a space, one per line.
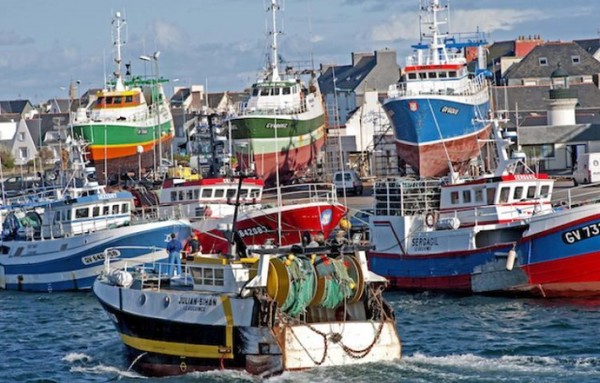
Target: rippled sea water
66 337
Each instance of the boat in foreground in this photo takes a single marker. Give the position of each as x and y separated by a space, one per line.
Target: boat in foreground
496 234
275 310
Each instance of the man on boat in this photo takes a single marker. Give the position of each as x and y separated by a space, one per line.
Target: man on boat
194 245
174 249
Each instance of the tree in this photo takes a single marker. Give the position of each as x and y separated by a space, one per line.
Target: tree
8 161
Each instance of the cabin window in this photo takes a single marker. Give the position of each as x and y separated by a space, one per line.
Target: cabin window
454 197
255 92
531 192
286 90
109 100
219 193
196 193
264 92
190 194
129 99
207 277
180 195
56 217
412 76
219 277
545 151
479 195
99 101
443 74
423 76
452 74
518 194
118 100
490 195
504 193
244 193
96 211
254 193
206 193
276 91
125 208
544 191
115 209
83 212
432 75
173 196
231 193
106 210
466 196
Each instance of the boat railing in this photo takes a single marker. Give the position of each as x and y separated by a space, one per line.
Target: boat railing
470 87
302 193
405 197
272 109
577 196
453 58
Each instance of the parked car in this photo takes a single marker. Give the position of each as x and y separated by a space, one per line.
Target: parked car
348 180
360 223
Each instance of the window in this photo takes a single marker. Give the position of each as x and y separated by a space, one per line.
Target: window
255 92
129 99
125 208
544 151
96 211
432 75
264 92
543 61
544 191
106 210
531 192
115 209
109 100
452 74
219 277
443 74
479 195
196 193
412 76
190 195
422 76
517 195
83 212
21 136
575 59
180 196
206 193
504 193
173 196
219 193
466 196
286 90
231 193
23 153
454 197
254 193
490 194
207 277
276 91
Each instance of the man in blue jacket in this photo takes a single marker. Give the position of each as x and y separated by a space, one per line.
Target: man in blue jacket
174 249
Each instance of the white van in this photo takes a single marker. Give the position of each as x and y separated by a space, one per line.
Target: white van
348 180
587 169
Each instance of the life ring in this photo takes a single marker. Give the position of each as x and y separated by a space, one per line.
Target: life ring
430 219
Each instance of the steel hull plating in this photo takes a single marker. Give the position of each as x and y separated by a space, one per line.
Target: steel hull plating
431 131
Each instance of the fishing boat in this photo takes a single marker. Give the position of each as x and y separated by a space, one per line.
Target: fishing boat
272 310
437 110
130 124
500 233
54 240
277 215
279 132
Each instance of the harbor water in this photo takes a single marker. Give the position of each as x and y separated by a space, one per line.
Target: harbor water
67 337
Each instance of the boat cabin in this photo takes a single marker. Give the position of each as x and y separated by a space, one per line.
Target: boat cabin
68 217
497 199
207 197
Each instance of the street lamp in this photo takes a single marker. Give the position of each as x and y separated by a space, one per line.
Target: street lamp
140 150
156 101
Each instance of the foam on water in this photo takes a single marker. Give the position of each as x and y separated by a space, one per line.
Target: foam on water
76 357
106 370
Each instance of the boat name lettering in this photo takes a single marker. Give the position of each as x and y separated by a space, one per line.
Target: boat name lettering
581 233
142 131
253 231
197 303
278 125
525 177
423 243
449 110
107 196
89 259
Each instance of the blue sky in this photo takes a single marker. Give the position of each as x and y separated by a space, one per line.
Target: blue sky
45 44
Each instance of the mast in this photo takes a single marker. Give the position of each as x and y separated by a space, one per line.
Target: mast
274 56
118 23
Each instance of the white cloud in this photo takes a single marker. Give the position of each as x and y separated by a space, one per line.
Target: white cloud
316 38
405 26
168 35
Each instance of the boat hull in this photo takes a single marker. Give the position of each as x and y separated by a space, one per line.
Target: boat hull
297 146
257 226
430 131
73 263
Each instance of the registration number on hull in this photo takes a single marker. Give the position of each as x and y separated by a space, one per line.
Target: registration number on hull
572 236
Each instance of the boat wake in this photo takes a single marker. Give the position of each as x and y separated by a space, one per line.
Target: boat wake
81 364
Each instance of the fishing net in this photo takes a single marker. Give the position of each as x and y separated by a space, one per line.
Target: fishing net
338 284
302 285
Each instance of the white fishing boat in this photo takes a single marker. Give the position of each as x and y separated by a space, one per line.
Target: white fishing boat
273 310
